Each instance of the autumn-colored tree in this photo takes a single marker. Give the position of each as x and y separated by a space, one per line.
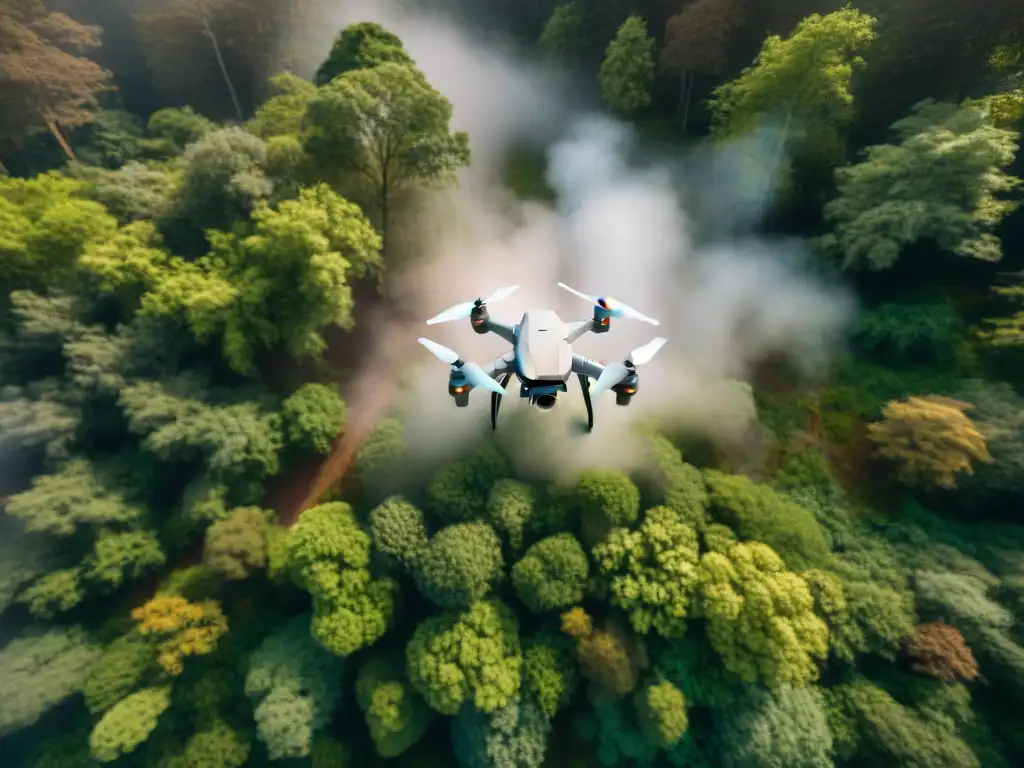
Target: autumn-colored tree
605 655
940 651
931 440
181 629
45 84
696 43
576 623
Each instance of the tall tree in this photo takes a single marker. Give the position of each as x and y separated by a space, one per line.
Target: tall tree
627 72
359 46
564 34
196 18
696 43
190 43
44 83
805 80
388 126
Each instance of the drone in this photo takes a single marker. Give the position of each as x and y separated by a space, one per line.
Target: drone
541 356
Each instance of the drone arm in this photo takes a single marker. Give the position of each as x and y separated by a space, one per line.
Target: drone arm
578 329
581 366
506 332
501 365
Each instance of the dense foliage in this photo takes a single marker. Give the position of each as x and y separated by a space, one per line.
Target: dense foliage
191 235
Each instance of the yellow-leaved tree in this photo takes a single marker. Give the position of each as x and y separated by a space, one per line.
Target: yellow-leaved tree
931 439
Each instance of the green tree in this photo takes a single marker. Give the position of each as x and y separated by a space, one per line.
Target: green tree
40 669
890 200
872 728
627 72
670 482
313 415
615 730
469 656
413 146
804 81
398 530
282 113
514 736
223 177
759 513
787 726
651 573
128 723
173 129
361 46
236 547
606 499
459 492
564 34
132 193
118 556
383 449
661 709
552 574
122 669
329 556
459 565
510 509
294 686
760 617
47 224
282 284
395 714
219 745
550 676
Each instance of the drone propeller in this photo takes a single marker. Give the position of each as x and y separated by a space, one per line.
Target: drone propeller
616 372
460 311
615 307
474 373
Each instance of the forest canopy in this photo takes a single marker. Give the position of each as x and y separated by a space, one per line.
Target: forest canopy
199 220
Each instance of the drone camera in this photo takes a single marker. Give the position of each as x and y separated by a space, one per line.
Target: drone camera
545 397
546 402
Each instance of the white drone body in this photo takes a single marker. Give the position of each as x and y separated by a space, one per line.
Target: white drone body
541 356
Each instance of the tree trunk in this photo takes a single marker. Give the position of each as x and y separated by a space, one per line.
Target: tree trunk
223 69
780 147
686 96
384 212
51 124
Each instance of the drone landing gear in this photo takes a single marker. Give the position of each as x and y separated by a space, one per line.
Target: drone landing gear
585 385
496 401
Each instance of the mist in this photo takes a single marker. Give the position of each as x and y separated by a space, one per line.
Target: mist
667 235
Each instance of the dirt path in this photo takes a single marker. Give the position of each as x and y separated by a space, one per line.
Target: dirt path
369 396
